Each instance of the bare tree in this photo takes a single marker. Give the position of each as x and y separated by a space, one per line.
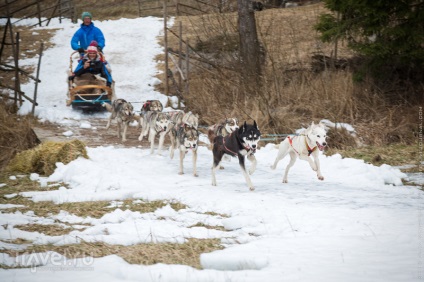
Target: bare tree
249 44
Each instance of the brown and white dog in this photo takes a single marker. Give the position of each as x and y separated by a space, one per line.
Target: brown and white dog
122 112
225 127
151 105
155 123
179 119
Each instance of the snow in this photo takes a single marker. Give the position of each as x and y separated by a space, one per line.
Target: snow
359 224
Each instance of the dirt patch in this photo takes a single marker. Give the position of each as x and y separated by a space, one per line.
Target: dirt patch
96 135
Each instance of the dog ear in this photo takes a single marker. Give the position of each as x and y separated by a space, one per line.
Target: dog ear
255 125
244 126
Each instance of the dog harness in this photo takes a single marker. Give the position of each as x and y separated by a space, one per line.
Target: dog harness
235 154
310 151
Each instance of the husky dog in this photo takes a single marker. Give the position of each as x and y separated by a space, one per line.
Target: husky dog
241 143
155 123
152 105
179 119
303 146
185 138
122 111
191 120
225 127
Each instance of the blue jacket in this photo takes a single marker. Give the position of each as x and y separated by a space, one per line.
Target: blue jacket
97 67
85 34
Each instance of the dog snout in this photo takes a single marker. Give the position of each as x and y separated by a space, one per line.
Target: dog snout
253 146
194 145
324 144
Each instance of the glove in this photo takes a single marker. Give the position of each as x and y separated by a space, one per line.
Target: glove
99 49
71 77
81 50
108 84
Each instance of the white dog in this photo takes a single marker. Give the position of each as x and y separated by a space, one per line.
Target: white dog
303 146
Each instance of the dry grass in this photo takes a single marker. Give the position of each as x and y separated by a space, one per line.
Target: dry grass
394 154
47 229
16 134
43 158
187 253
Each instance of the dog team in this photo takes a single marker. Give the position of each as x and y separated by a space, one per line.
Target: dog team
225 137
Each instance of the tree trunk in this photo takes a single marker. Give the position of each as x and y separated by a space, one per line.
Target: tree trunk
249 44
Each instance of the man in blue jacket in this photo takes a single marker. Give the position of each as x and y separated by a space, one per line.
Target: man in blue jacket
86 34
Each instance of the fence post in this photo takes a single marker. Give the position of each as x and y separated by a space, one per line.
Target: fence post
17 79
165 16
60 11
39 12
180 50
54 11
177 8
187 85
3 41
139 7
36 81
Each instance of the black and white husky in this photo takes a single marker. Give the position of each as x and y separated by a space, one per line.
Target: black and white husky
303 146
241 143
184 138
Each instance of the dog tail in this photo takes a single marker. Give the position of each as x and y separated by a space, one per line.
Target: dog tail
107 106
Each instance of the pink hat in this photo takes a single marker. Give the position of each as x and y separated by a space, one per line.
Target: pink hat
92 49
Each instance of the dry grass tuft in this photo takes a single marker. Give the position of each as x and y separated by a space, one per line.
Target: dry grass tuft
16 134
44 157
47 229
199 224
394 154
187 253
340 138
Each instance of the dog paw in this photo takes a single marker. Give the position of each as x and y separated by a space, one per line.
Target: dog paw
321 177
251 171
252 188
285 181
221 167
181 173
273 167
195 175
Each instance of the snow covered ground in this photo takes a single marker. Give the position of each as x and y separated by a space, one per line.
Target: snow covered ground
359 224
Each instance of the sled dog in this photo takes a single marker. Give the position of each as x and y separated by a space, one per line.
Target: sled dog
225 127
122 112
184 138
155 123
303 146
151 105
241 143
